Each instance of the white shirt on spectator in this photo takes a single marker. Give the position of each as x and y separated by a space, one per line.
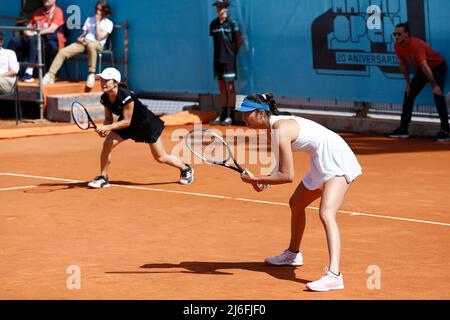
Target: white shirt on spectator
8 61
106 25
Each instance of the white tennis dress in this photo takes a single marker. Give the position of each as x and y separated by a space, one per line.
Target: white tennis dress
330 154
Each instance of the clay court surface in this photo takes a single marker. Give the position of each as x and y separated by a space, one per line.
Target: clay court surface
147 237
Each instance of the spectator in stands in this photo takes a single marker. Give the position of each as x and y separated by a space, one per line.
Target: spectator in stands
432 68
96 30
27 10
8 68
51 21
227 41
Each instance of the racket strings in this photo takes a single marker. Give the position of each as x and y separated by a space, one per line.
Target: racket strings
80 116
209 147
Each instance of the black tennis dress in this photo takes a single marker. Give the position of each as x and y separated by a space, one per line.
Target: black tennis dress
145 126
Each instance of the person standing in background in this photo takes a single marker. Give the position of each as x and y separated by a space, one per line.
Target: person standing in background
432 68
227 41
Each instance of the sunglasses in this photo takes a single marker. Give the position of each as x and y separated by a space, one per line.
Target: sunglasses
397 34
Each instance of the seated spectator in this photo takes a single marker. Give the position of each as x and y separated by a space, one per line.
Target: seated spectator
8 68
27 10
51 21
95 33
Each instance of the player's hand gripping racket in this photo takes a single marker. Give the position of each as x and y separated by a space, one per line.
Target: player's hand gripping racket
212 148
81 117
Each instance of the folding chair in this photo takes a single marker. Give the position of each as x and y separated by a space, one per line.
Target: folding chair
107 50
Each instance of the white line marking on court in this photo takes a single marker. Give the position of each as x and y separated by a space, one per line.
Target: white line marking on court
39 177
17 188
351 213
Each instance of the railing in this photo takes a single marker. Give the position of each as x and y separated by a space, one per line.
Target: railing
124 26
40 58
39 63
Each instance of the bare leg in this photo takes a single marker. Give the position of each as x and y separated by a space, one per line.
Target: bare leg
111 141
223 94
301 199
231 94
334 191
160 155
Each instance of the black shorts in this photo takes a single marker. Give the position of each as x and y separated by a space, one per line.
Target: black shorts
147 131
225 71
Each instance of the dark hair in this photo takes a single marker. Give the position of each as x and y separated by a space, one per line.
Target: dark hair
404 25
1 36
267 99
106 9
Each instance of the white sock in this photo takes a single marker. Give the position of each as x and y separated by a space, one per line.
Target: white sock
29 71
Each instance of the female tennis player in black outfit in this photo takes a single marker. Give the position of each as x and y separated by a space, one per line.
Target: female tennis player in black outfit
135 122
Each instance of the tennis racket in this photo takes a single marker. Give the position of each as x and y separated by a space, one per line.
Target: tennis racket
81 117
212 148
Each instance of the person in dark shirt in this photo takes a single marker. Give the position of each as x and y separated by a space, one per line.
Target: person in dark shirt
432 68
135 122
227 41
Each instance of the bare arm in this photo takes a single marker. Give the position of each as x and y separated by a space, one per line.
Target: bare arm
81 37
404 70
126 121
287 130
9 73
108 117
122 124
52 29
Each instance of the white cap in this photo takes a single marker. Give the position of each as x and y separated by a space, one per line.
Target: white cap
110 73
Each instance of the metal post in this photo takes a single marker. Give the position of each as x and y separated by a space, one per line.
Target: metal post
125 54
361 109
39 57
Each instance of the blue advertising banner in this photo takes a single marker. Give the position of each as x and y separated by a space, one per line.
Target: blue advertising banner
321 49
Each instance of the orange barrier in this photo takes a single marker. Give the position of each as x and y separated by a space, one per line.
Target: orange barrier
188 117
59 87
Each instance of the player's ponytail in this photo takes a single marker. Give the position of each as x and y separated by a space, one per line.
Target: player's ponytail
269 100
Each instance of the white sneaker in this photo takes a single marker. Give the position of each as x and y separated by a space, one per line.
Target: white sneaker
216 121
329 281
187 176
90 82
28 78
227 122
287 258
99 182
48 79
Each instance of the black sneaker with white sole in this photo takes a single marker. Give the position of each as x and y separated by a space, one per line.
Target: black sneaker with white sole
187 175
215 122
441 136
399 133
99 182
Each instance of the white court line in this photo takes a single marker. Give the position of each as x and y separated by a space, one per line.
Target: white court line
351 213
17 188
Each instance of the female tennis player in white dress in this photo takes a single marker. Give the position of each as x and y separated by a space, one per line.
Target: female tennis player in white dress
333 168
